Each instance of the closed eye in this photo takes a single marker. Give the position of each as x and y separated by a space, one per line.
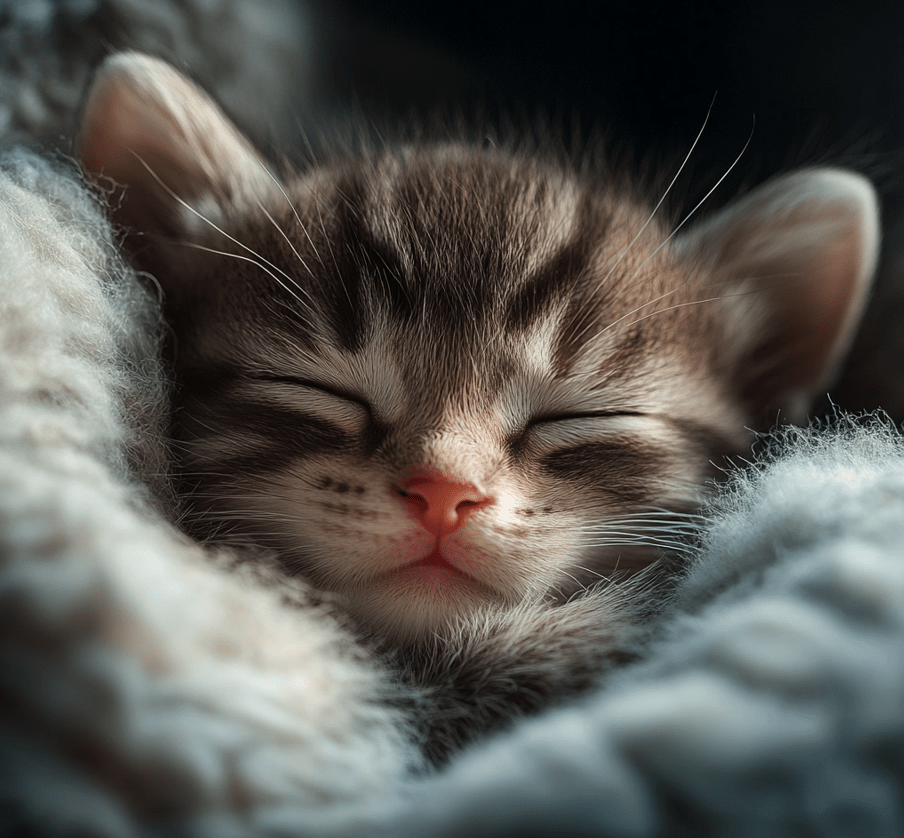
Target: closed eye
315 385
567 429
337 407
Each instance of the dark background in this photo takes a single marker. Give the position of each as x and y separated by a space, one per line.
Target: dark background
822 80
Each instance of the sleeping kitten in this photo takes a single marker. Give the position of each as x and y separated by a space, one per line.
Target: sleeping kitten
473 391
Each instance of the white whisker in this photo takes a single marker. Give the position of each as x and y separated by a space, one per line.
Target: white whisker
222 232
196 246
665 194
623 255
298 256
304 229
665 242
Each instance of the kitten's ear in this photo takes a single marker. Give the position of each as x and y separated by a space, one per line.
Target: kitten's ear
796 257
180 159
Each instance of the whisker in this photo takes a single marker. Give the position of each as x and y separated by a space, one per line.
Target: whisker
665 194
222 232
704 198
669 547
656 514
304 229
196 246
677 306
298 256
668 239
623 255
646 523
650 523
627 282
598 536
574 579
602 576
326 236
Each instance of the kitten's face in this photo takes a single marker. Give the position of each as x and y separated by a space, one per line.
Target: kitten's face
442 379
429 408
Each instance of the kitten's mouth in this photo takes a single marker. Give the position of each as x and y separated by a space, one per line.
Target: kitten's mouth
435 562
437 579
433 571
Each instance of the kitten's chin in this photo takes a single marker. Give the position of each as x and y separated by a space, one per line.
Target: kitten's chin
419 600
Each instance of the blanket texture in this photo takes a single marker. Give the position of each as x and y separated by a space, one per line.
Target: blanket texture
151 688
253 56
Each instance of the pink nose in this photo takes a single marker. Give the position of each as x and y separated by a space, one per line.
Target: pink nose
440 505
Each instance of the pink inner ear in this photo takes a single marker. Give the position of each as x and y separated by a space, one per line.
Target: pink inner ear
153 131
822 314
103 140
124 130
802 251
824 317
128 118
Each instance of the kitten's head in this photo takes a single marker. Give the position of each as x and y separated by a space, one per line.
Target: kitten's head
441 378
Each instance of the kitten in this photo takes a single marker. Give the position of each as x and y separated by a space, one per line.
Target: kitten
475 392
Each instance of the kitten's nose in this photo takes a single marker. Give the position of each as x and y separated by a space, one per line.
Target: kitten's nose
440 505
